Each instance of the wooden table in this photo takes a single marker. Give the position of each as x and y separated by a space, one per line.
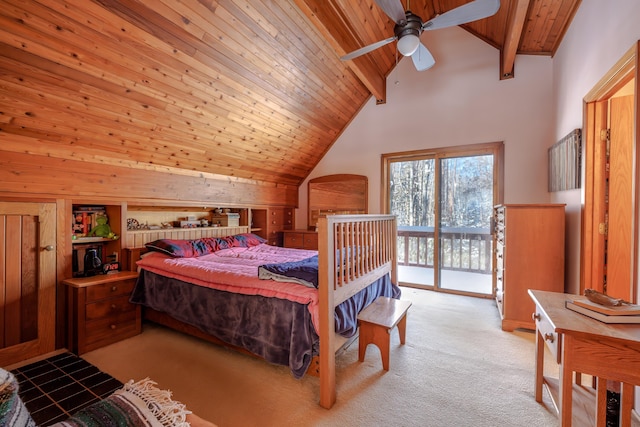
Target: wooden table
587 346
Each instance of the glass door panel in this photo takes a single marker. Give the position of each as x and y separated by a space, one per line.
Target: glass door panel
412 198
464 233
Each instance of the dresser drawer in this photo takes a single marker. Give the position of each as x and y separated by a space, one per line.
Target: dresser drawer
111 289
108 307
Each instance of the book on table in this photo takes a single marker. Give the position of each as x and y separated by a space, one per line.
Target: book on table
620 314
617 310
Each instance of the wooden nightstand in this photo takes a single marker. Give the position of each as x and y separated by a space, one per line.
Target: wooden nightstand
301 239
100 312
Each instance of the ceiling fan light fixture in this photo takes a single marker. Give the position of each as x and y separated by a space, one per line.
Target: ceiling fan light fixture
408 44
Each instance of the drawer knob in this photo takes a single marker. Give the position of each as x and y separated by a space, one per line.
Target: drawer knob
536 316
548 337
114 288
113 306
113 326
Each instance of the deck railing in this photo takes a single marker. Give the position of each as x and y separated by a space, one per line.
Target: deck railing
462 248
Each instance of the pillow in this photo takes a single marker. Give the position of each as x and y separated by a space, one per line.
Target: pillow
12 409
245 240
204 245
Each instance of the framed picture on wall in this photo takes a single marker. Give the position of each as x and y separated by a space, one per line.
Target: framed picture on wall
564 162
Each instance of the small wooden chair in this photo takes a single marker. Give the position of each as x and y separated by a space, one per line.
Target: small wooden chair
376 322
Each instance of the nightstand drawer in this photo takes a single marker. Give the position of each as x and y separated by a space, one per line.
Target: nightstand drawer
108 307
111 289
99 333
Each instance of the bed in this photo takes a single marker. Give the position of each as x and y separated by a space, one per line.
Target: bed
285 322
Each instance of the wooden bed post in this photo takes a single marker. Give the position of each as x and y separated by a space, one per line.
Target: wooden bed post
327 308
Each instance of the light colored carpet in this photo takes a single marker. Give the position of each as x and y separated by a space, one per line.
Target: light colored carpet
458 368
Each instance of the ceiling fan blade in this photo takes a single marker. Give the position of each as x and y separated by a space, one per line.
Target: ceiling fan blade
469 12
393 9
367 49
422 58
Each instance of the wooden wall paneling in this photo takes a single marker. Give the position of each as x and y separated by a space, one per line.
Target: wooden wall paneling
23 175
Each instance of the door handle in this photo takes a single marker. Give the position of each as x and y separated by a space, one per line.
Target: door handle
49 248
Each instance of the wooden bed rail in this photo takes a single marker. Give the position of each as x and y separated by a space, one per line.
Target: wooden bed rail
353 252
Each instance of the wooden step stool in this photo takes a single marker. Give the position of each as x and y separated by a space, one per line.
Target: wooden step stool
376 322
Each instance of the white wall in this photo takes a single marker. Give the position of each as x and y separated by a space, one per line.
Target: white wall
597 38
459 101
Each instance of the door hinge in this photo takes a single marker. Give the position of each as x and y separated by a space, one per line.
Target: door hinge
603 228
605 134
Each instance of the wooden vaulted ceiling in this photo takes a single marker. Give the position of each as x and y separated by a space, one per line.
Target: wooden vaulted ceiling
250 89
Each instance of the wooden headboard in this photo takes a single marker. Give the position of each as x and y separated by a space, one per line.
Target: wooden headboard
131 255
341 194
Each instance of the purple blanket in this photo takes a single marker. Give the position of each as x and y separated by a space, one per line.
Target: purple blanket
278 330
304 271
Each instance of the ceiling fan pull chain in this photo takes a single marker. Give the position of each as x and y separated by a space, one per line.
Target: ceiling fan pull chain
396 82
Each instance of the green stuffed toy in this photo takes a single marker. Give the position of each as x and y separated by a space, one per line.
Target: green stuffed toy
102 229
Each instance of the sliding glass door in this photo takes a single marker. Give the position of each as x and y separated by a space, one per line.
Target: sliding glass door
444 203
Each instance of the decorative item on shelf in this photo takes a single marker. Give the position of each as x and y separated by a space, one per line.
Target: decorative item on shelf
189 224
228 219
166 225
132 224
102 229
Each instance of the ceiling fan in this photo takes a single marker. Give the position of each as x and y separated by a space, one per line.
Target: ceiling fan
409 26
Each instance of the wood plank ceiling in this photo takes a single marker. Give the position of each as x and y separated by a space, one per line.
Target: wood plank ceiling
252 89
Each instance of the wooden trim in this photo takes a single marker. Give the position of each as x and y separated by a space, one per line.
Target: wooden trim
615 78
494 148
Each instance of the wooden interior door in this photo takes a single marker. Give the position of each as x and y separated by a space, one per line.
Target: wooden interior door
620 206
610 215
27 280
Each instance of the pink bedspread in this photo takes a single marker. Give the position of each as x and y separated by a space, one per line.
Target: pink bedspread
236 270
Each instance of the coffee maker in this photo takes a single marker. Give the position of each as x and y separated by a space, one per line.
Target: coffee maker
92 263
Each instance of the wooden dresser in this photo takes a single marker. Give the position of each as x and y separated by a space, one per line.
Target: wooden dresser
301 239
529 254
100 312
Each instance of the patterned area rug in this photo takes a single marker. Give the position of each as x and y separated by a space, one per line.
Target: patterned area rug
57 387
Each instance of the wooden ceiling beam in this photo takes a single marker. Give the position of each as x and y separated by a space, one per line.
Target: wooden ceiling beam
327 18
513 33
